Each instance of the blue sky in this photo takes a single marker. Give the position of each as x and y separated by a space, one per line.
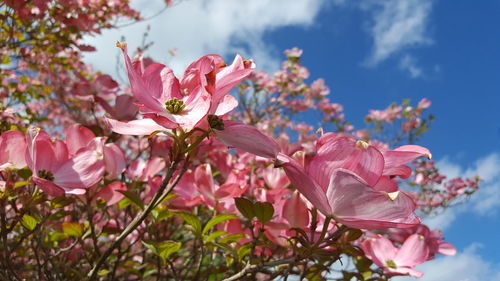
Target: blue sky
371 53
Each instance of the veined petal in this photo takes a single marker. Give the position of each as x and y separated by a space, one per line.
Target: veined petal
161 83
204 180
84 170
446 248
47 186
305 184
141 91
114 160
247 138
139 127
379 249
403 155
357 205
227 104
343 152
295 211
413 251
13 149
110 193
77 137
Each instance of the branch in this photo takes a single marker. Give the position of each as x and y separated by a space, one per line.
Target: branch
159 196
256 267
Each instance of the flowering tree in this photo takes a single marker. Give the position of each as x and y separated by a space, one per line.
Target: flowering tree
206 176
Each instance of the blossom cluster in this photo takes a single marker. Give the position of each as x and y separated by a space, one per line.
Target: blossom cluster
207 175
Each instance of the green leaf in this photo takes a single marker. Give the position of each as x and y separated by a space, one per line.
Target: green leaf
151 246
244 250
192 220
214 235
166 249
362 263
353 234
133 197
55 236
60 201
160 214
21 184
245 207
103 272
124 203
232 238
218 219
29 222
264 211
72 229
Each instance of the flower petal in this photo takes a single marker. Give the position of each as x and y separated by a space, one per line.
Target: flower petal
357 205
247 138
139 127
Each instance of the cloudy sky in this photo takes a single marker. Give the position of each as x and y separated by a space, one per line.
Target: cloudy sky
371 53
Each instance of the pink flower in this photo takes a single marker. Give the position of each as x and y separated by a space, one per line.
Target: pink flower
79 137
111 193
433 239
397 261
12 150
55 171
159 95
339 180
213 194
167 103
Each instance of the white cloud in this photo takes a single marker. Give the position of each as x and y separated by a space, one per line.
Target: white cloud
397 25
212 26
409 63
465 266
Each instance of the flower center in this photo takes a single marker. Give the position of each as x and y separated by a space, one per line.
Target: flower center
362 144
215 122
175 106
390 264
44 174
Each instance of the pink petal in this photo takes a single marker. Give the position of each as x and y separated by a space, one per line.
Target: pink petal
227 104
413 251
114 160
84 170
161 83
386 184
446 248
204 180
139 127
379 249
229 190
401 171
403 155
344 152
47 186
305 184
140 89
295 211
357 205
13 149
230 76
110 193
247 138
77 137
125 108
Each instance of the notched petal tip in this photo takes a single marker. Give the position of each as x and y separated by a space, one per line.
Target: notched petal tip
121 45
